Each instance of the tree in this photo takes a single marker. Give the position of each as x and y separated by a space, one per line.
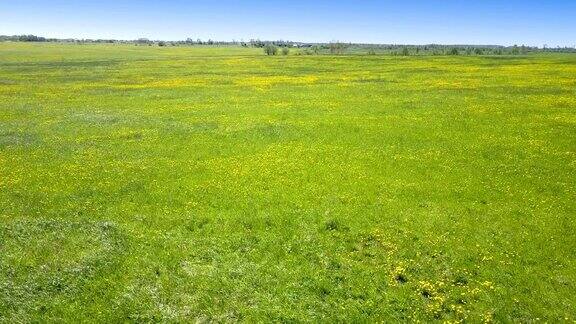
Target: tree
285 50
270 49
316 49
31 38
337 48
143 41
515 50
405 51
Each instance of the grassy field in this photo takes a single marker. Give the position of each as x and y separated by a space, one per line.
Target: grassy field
218 184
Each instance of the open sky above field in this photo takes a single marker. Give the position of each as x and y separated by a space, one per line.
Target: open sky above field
528 22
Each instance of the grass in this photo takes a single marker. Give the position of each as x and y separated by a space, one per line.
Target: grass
218 184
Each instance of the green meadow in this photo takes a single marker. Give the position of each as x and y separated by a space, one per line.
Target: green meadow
177 184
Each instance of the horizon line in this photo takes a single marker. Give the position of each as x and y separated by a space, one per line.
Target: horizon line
251 40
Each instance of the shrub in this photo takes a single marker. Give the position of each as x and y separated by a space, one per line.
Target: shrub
337 48
285 51
271 49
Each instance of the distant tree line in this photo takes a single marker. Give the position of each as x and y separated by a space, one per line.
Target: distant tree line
434 49
430 49
335 48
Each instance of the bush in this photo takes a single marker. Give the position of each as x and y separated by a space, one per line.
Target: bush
337 48
285 51
316 49
271 49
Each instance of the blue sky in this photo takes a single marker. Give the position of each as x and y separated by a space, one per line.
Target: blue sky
505 22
